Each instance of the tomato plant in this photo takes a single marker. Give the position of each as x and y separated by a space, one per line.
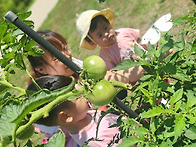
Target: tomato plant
95 67
103 93
171 124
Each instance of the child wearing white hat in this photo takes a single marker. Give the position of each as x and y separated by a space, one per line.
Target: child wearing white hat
95 28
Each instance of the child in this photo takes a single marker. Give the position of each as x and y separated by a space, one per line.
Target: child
95 28
116 45
76 117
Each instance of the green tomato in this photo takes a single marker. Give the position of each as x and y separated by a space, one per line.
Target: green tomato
96 67
102 94
27 133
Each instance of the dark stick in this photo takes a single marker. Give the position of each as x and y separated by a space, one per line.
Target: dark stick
45 44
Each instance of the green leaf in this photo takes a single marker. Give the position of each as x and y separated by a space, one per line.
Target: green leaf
167 46
4 140
178 21
191 133
29 45
57 140
129 141
155 112
138 51
179 125
145 77
155 124
177 105
3 28
176 96
28 144
24 15
191 145
17 32
181 75
169 68
191 100
141 132
124 65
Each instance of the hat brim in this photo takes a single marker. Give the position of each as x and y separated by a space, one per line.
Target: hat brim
109 15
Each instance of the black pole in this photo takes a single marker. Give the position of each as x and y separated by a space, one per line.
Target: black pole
13 18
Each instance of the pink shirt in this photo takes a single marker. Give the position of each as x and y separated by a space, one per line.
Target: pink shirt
50 131
123 49
104 132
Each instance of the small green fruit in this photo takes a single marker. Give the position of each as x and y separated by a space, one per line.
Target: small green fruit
26 133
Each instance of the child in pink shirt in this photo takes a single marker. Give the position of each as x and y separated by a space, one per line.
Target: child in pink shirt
95 29
75 118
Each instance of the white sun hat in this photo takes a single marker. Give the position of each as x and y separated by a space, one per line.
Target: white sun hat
84 21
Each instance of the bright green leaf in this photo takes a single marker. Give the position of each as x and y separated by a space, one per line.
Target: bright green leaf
191 133
155 112
138 51
179 125
191 100
129 141
176 96
57 140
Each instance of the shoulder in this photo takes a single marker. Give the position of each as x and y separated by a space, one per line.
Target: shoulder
77 62
128 32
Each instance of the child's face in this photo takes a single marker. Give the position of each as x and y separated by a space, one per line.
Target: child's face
104 35
56 67
78 108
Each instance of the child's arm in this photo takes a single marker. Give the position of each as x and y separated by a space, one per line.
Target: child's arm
125 76
145 46
129 75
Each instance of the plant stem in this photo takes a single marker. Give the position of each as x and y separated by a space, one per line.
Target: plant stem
120 84
6 83
37 86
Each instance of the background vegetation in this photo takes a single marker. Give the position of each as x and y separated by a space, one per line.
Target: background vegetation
15 6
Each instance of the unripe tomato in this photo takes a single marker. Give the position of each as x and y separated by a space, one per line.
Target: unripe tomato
26 133
102 94
95 66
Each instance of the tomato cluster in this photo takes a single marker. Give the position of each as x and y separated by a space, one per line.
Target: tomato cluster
103 92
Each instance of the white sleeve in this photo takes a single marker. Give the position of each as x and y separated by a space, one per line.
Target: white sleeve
77 62
46 129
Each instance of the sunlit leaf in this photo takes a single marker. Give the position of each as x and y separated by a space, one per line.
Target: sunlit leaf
3 28
155 112
176 96
179 125
24 15
57 140
129 141
191 132
138 51
191 100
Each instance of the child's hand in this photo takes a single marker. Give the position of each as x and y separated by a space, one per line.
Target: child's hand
167 53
